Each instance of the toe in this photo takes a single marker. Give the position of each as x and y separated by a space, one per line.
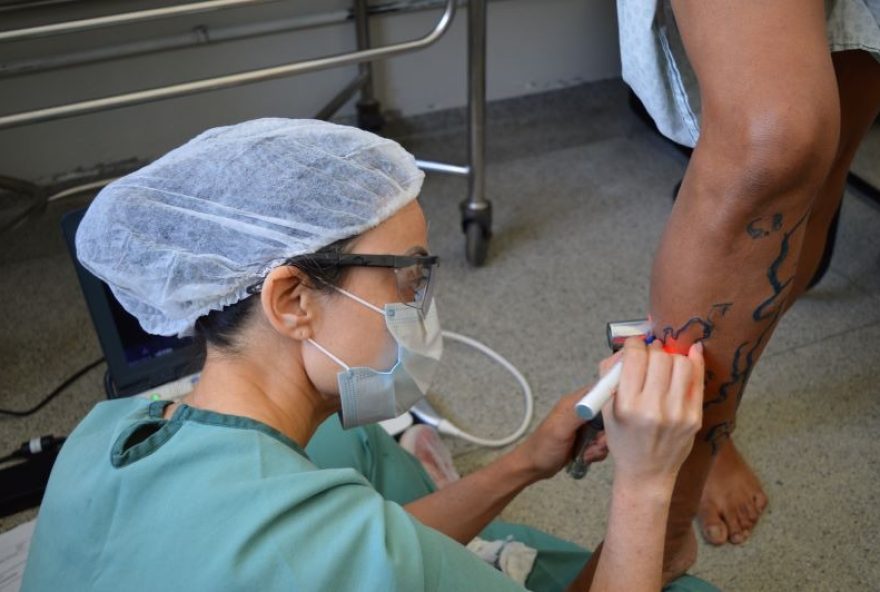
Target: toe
716 533
747 514
734 528
760 501
740 537
713 527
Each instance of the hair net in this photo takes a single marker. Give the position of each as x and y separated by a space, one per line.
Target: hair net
190 232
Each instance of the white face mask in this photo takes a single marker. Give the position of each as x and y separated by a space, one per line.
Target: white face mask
369 395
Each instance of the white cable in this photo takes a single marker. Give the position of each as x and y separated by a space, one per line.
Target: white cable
447 427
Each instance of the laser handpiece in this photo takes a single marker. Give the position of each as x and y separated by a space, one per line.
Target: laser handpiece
590 406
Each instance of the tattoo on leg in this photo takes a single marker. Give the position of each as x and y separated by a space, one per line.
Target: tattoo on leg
718 434
703 326
778 286
750 357
738 376
741 369
756 228
768 311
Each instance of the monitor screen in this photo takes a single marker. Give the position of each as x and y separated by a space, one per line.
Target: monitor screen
136 360
139 346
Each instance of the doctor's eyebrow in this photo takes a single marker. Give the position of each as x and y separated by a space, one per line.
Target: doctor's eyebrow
417 252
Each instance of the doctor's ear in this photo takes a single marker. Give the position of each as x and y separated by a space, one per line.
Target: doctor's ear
288 301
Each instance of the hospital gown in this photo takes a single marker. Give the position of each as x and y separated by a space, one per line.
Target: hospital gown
206 501
655 65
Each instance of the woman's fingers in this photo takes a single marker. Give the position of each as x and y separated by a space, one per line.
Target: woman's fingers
632 379
658 375
695 355
680 386
657 410
597 451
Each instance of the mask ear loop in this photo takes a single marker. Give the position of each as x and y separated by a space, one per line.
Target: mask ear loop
359 299
327 353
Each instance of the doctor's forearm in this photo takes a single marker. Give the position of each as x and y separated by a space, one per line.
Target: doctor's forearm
461 510
631 556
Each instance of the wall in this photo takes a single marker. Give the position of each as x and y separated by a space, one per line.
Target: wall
534 46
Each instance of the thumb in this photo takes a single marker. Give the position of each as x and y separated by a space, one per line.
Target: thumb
565 409
606 364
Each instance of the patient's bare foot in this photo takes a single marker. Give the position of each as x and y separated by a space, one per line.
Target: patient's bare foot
732 500
682 558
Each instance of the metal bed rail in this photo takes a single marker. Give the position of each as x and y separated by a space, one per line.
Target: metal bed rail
476 210
219 82
125 18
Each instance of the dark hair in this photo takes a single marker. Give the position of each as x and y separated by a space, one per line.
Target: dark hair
220 328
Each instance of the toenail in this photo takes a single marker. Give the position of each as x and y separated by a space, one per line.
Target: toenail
714 532
736 538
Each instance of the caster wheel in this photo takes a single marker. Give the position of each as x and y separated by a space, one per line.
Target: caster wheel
369 116
476 244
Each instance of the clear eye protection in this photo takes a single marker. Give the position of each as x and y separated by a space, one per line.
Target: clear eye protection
415 284
414 273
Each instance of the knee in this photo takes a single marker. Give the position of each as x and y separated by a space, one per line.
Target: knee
789 150
769 154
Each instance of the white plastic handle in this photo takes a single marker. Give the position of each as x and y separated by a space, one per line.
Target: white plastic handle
591 404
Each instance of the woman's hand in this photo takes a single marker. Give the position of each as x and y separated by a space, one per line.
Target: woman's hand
550 446
652 419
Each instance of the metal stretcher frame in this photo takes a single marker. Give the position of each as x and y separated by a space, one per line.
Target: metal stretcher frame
476 210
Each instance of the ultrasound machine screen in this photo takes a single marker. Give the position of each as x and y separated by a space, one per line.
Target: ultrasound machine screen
138 345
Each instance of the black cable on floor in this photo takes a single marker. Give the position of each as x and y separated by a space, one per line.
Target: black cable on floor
58 390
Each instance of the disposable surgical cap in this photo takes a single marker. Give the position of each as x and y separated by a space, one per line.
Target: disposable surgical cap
190 232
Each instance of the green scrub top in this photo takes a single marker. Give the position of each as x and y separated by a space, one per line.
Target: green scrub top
398 476
205 501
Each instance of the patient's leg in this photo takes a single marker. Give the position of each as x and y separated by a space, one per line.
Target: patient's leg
726 262
732 499
858 83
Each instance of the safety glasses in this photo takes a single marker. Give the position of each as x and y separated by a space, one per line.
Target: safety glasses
414 273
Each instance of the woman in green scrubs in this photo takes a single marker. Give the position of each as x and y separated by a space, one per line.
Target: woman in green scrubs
297 250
